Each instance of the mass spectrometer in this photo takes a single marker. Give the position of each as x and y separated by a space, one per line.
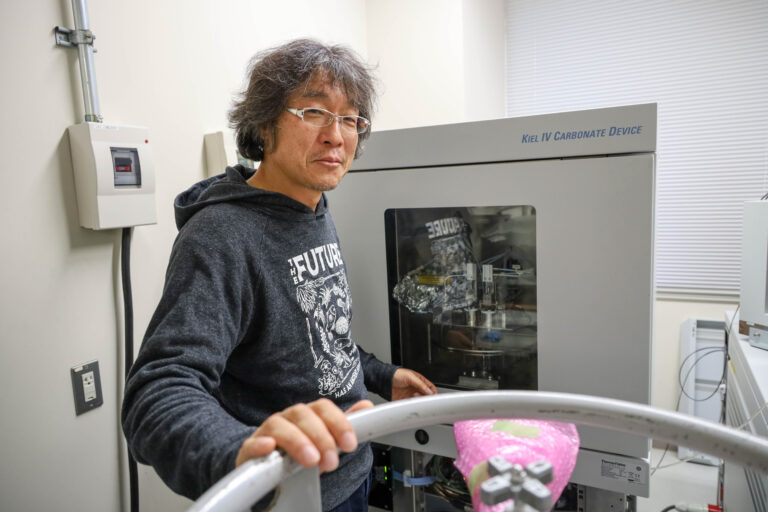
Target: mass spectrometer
513 254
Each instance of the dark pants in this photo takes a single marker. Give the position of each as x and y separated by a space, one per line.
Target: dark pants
358 502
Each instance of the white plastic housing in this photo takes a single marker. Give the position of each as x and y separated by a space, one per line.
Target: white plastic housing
221 151
105 200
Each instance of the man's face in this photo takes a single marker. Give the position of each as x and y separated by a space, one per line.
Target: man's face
311 159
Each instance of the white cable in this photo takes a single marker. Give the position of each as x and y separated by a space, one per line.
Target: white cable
691 507
744 425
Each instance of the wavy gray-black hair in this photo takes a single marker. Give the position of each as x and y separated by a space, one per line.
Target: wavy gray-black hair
278 72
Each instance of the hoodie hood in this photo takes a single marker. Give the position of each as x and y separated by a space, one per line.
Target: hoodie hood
231 186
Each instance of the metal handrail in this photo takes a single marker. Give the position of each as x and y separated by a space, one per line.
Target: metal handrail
254 479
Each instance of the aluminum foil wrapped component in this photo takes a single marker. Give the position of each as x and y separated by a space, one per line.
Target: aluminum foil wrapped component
417 297
441 282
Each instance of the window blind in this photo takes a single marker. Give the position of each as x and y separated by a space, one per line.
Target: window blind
705 63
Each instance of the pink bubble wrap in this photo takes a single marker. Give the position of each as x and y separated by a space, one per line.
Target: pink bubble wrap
519 441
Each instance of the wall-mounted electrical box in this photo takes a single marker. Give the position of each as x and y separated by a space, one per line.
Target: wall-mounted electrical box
221 151
114 175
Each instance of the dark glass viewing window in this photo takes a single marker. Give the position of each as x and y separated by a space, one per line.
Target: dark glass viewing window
462 294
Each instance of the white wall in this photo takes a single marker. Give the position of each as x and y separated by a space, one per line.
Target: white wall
439 61
484 59
172 66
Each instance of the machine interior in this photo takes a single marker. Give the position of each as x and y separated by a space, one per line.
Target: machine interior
462 294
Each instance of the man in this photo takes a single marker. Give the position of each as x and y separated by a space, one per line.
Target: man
250 346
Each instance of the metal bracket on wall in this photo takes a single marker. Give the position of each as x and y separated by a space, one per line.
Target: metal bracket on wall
70 38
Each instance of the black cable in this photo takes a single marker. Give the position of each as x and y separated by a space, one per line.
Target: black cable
667 509
125 260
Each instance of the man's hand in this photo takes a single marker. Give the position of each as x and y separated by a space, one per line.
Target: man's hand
408 384
309 433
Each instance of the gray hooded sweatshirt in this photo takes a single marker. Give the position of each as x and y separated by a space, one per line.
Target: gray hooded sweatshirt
255 316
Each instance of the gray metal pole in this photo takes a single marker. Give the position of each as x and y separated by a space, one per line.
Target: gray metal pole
87 72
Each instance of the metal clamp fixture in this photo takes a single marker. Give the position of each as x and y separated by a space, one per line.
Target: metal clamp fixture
71 38
512 482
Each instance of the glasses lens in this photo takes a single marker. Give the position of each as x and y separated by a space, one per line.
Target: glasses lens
354 124
320 117
349 123
362 125
317 117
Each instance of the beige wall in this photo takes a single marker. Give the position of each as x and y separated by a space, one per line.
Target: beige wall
440 61
173 66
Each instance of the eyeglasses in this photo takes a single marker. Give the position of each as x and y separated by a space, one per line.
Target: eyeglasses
321 117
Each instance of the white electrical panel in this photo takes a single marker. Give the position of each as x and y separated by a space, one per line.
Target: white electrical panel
221 151
114 175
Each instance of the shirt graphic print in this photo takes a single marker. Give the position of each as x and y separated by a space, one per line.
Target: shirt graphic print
322 292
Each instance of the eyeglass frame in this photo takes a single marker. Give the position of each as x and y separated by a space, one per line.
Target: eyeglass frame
299 112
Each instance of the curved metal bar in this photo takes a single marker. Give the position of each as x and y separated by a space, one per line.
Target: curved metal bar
712 438
247 484
251 481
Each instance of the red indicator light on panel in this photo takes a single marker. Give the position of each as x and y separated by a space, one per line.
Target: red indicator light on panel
146 141
123 168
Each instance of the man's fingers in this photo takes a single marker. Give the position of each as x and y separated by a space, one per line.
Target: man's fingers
422 384
426 386
338 424
346 437
310 433
317 422
408 384
253 447
418 381
430 386
261 445
359 406
291 437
